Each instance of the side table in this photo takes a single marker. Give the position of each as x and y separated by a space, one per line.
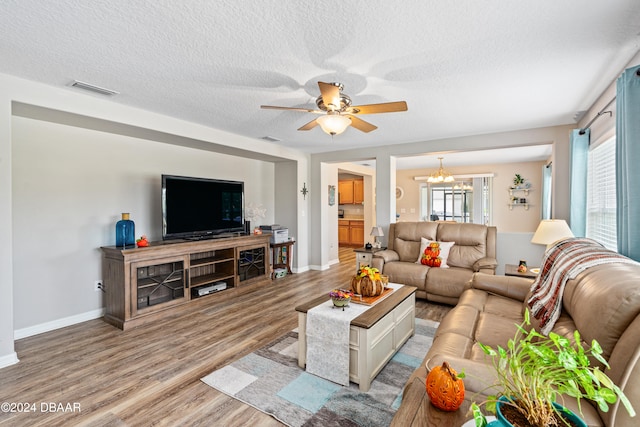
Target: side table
281 256
364 256
512 270
417 411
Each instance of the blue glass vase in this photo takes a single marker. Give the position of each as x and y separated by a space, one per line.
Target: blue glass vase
125 232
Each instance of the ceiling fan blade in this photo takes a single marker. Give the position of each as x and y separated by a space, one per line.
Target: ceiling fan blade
386 107
361 125
313 123
304 110
330 95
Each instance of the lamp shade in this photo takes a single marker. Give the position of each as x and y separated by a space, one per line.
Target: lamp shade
550 231
377 231
333 124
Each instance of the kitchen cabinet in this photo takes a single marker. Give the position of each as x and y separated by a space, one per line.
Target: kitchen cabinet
358 191
356 231
350 232
350 191
344 235
345 192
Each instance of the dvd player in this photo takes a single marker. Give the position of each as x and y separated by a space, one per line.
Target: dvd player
206 290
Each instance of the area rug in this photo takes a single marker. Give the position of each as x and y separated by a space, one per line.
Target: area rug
270 380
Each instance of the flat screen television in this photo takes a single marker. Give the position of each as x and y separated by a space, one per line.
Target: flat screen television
196 208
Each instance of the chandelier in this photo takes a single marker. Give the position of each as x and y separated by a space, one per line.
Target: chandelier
440 176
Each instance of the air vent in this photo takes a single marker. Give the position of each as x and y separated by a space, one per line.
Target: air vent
93 88
271 139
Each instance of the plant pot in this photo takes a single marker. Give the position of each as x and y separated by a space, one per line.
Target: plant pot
340 302
501 421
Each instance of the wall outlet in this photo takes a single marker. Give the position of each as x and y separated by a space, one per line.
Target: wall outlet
98 286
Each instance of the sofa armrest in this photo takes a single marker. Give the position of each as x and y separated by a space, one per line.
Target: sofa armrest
381 257
388 255
486 264
507 286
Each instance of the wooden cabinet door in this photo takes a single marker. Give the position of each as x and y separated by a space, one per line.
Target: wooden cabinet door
357 233
344 237
358 191
345 191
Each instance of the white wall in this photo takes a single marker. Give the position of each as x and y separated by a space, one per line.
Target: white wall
69 187
7 353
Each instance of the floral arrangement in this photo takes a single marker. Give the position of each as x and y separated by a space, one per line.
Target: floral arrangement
372 272
340 294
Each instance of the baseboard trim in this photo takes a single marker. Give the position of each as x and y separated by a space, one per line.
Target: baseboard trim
57 324
8 360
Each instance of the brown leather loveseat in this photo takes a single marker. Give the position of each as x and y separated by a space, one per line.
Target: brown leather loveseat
474 250
602 303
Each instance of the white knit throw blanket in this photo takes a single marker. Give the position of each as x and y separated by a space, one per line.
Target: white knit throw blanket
562 262
328 340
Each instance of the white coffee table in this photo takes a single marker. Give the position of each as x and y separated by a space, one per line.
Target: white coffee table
374 336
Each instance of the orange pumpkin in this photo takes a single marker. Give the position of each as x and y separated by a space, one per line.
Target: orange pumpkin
425 260
444 388
434 252
366 287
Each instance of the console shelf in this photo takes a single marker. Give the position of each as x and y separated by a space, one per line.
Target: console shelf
143 284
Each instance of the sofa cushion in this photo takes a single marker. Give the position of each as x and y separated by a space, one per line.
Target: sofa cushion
471 242
406 273
449 282
445 247
406 241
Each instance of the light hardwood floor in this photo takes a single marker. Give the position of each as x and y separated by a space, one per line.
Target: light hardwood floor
151 375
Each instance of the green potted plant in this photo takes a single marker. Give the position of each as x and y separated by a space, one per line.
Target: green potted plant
518 180
535 370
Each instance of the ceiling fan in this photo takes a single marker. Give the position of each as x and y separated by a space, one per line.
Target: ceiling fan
338 113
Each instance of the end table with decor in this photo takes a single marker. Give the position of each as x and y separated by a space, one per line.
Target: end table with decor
364 256
512 270
281 255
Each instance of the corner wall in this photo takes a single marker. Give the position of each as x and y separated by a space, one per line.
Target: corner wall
149 142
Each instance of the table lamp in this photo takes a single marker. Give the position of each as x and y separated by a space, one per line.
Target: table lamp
550 231
376 232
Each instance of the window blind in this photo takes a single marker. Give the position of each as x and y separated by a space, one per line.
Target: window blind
601 194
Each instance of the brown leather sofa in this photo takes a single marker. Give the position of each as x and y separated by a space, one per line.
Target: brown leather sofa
474 251
602 303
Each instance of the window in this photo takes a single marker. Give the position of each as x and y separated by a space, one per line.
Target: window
601 194
457 201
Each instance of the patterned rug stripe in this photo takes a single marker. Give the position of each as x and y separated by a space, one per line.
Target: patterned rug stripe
271 381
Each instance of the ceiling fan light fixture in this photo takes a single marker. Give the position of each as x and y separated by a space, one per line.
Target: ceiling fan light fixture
441 176
333 124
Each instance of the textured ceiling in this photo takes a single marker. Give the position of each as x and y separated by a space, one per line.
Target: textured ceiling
464 67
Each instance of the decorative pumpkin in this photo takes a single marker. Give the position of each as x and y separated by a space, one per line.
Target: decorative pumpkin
444 388
366 286
433 249
431 257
